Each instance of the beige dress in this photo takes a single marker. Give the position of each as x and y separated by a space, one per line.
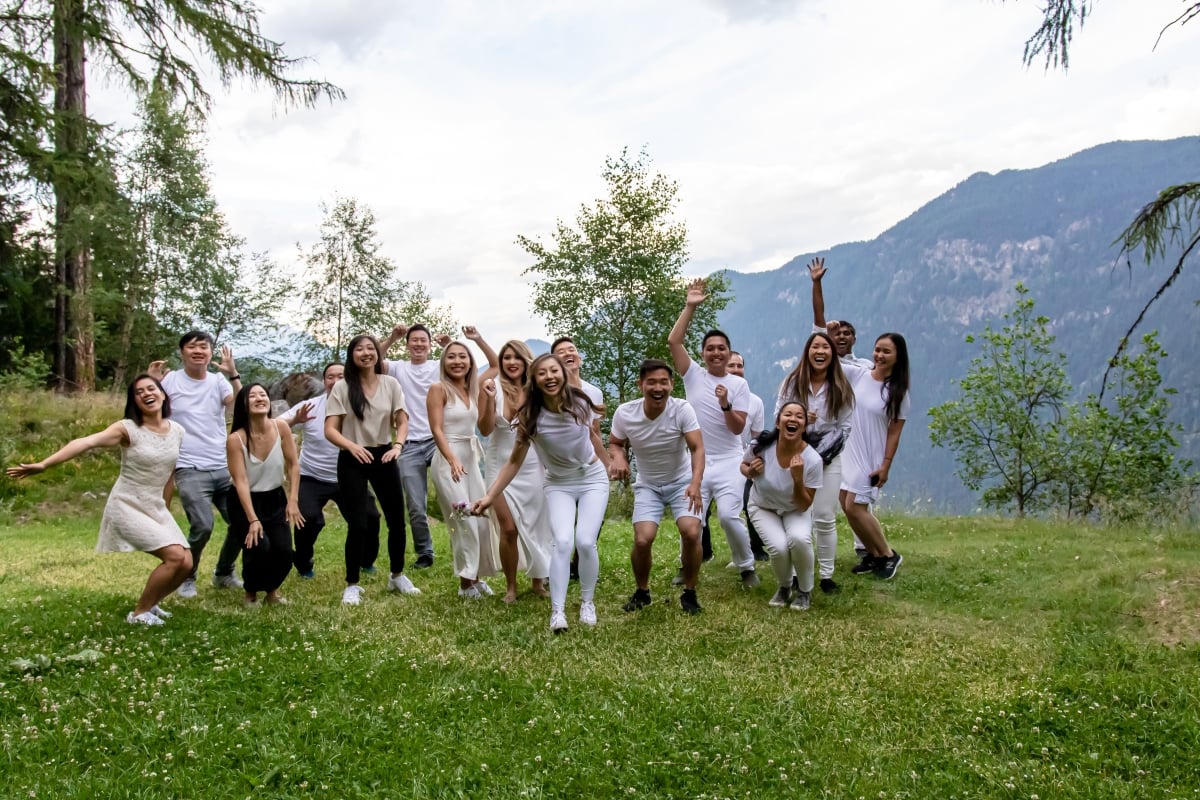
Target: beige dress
135 516
476 553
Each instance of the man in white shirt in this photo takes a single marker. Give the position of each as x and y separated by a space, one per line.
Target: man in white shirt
722 402
840 331
318 479
668 449
416 376
199 399
755 424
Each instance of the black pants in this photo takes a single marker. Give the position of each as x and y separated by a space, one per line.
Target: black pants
314 496
353 478
756 543
265 565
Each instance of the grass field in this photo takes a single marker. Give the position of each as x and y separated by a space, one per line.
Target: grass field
1008 659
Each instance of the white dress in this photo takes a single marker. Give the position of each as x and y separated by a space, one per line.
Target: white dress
135 516
525 496
476 554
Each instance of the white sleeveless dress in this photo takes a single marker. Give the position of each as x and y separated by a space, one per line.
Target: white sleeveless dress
476 553
135 516
525 496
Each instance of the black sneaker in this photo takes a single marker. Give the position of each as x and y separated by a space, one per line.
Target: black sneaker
688 602
423 562
829 586
749 579
761 555
781 598
860 552
638 600
867 564
885 568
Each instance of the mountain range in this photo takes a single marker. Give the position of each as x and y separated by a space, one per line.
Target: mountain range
951 268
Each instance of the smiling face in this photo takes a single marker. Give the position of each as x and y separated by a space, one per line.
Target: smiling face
148 396
569 355
333 374
258 401
456 362
656 386
365 355
512 365
819 353
843 337
736 365
418 346
885 354
791 421
716 354
549 376
196 355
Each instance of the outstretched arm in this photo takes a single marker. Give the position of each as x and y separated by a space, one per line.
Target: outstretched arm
111 436
816 271
472 333
678 336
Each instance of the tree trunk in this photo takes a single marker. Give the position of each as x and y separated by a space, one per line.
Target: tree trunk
74 329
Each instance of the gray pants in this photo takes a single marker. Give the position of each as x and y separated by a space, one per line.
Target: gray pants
415 459
200 490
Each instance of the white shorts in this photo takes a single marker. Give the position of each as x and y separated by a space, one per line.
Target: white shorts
649 502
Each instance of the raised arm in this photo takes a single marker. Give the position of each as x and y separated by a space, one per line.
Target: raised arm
111 436
472 333
398 332
229 370
816 271
487 405
676 339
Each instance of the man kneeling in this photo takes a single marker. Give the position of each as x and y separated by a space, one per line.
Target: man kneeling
664 434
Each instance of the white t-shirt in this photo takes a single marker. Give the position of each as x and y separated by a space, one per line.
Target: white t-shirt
318 456
199 406
756 419
658 444
700 388
868 436
773 488
595 395
562 444
415 380
818 403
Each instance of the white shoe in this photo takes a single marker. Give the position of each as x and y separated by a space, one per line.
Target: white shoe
731 565
483 589
558 621
470 593
187 589
587 612
352 596
161 613
401 584
230 581
145 618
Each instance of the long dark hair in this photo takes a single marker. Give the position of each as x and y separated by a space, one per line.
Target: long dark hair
838 391
768 438
131 407
572 400
358 400
241 410
895 386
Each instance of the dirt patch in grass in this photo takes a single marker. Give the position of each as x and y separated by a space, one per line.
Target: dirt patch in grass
1173 617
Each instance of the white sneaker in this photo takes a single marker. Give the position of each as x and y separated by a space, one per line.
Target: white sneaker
470 593
401 584
230 581
352 596
558 621
587 612
145 618
161 613
483 589
187 589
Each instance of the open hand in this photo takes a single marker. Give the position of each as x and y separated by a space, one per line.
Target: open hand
816 269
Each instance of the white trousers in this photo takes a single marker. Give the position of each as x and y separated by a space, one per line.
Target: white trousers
724 483
824 512
576 504
787 538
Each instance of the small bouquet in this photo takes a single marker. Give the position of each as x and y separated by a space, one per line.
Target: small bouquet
460 510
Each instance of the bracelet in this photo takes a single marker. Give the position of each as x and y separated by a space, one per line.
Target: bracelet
727 408
254 521
235 378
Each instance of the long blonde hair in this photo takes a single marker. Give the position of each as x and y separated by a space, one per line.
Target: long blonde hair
472 375
513 389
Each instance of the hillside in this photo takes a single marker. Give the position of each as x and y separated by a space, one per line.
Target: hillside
950 268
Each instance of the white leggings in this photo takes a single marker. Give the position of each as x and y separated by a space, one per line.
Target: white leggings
824 512
576 505
787 538
723 482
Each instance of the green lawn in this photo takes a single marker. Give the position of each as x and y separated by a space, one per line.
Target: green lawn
1008 659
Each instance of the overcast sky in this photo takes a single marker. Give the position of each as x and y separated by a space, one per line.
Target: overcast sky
790 125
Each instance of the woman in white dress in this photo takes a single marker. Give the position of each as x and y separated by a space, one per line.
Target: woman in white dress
136 515
519 513
453 407
556 419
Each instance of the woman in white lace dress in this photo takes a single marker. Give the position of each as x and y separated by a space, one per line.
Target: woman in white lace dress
519 514
136 515
453 409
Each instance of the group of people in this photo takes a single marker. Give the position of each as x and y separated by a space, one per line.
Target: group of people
534 493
